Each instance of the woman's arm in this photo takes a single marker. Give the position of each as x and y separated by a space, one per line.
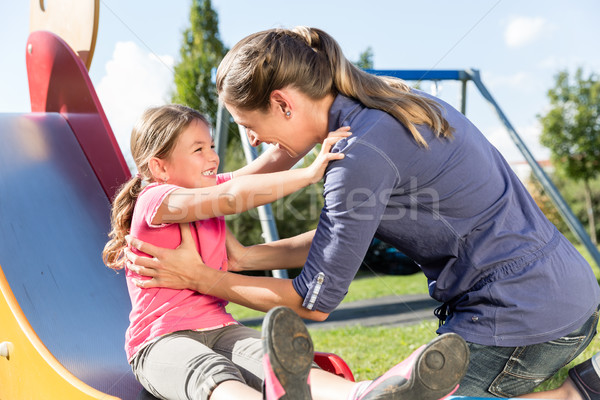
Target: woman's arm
182 268
246 192
283 253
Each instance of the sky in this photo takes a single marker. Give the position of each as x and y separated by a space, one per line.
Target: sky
518 46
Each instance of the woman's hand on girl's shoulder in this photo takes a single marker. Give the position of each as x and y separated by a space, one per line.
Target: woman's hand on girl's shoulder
317 168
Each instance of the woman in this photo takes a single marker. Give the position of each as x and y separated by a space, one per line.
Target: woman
420 176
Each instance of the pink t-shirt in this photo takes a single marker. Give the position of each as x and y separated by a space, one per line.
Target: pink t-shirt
158 311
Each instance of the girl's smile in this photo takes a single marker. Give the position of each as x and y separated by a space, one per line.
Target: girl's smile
193 162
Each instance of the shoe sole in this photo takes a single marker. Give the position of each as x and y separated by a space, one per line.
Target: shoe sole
289 346
436 373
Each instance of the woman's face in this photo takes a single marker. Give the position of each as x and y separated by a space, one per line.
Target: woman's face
292 133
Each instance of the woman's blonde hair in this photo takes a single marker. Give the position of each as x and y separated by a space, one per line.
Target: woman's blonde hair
310 60
154 135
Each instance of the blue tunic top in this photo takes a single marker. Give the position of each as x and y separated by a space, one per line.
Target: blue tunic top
506 275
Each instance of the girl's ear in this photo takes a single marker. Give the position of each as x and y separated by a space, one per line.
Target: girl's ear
158 169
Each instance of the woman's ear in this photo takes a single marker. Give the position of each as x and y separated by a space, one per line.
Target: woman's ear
158 169
281 101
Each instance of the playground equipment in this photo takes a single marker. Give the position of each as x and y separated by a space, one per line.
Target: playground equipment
62 311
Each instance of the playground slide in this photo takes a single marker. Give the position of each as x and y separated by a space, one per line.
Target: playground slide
57 294
62 311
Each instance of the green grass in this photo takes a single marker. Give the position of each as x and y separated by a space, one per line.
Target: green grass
372 287
370 351
363 287
581 248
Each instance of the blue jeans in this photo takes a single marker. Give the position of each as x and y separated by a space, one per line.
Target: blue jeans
514 371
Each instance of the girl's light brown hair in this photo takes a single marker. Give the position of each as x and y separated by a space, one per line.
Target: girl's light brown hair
154 135
310 60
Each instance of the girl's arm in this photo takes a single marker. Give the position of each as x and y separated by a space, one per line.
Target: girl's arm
182 268
243 193
284 253
273 159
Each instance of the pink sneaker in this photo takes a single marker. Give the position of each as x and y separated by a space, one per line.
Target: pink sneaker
431 372
288 356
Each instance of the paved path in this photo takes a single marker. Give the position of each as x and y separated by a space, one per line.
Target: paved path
388 311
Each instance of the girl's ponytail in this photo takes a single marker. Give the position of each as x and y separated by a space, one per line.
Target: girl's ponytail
122 213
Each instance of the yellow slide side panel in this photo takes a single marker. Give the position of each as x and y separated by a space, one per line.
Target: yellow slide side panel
31 371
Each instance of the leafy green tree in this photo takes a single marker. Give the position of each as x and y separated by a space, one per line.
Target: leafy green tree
575 195
571 130
365 59
201 52
544 201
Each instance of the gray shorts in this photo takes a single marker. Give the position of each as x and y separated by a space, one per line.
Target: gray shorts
190 364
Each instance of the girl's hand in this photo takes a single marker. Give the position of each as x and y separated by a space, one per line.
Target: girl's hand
179 268
317 168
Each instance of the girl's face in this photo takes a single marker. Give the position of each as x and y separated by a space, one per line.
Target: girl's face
193 162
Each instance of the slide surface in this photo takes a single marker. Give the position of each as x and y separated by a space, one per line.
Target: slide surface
55 220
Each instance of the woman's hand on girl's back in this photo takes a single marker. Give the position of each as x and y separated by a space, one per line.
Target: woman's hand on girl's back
179 268
317 168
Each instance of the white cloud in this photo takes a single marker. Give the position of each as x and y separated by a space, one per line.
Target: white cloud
517 80
134 81
529 134
522 31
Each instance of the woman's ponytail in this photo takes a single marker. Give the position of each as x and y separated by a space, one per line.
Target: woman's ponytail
388 94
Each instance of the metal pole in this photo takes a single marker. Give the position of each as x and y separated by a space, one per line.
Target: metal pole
463 97
221 133
539 173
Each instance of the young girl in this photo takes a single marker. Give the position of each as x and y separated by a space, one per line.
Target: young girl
184 344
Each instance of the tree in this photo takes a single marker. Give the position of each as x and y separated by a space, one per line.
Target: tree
544 202
365 59
201 52
571 130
